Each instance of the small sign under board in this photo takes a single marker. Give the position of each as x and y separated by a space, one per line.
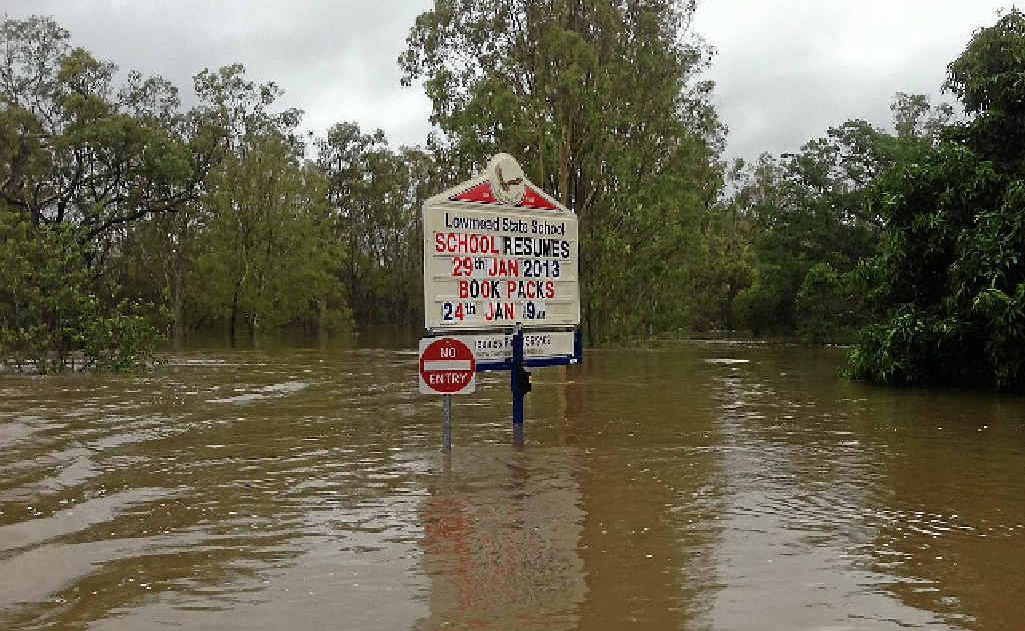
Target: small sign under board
496 347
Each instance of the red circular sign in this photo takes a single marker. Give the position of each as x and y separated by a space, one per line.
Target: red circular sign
447 365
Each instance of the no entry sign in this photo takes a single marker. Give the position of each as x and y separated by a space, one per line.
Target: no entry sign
447 366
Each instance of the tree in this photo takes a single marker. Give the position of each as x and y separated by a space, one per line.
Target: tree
268 253
950 271
85 153
600 102
810 225
805 210
120 211
77 165
377 194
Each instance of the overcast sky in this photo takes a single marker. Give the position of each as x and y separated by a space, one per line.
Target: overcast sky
785 69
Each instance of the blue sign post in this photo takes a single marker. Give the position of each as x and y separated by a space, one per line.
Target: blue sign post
519 383
519 377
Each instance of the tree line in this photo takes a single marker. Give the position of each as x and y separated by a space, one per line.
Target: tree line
125 217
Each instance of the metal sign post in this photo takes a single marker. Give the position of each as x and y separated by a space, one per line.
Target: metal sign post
519 383
501 279
446 424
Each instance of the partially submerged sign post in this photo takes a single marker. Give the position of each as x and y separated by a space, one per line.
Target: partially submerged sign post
447 366
501 276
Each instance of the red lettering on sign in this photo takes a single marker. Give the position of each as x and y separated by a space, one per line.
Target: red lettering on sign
460 243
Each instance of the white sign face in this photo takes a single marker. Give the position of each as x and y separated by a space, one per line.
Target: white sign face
497 251
496 347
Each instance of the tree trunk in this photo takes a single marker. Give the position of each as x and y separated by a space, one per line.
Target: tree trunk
178 311
565 158
322 334
252 320
233 319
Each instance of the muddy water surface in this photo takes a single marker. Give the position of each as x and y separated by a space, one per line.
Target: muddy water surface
695 486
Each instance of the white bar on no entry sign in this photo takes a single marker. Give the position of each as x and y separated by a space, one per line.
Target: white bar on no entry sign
446 364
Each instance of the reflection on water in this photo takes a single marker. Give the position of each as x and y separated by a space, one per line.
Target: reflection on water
700 486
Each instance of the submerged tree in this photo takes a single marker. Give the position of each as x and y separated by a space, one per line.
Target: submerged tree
81 161
120 212
805 219
376 194
268 254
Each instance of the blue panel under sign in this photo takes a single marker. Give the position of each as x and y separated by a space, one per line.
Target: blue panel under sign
569 360
529 363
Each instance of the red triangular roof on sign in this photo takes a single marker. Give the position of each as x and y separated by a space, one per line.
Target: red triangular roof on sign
534 199
479 190
481 194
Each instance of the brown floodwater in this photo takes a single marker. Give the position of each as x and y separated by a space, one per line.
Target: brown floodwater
689 486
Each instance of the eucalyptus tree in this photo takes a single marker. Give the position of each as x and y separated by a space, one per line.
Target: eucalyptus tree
87 153
267 254
601 102
809 224
376 194
265 247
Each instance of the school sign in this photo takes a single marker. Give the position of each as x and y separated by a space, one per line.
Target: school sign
501 286
499 251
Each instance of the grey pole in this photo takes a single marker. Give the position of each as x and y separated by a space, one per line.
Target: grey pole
446 425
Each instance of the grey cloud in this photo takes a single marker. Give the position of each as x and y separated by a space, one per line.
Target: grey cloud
335 60
785 70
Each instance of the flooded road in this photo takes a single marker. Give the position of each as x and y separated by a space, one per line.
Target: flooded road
693 486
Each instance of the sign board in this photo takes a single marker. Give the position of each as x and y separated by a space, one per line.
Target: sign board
497 251
496 347
447 366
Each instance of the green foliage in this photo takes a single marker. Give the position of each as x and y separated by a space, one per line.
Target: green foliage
48 309
377 195
766 306
119 341
951 267
987 77
917 348
119 212
812 223
600 101
726 268
267 253
42 305
831 304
